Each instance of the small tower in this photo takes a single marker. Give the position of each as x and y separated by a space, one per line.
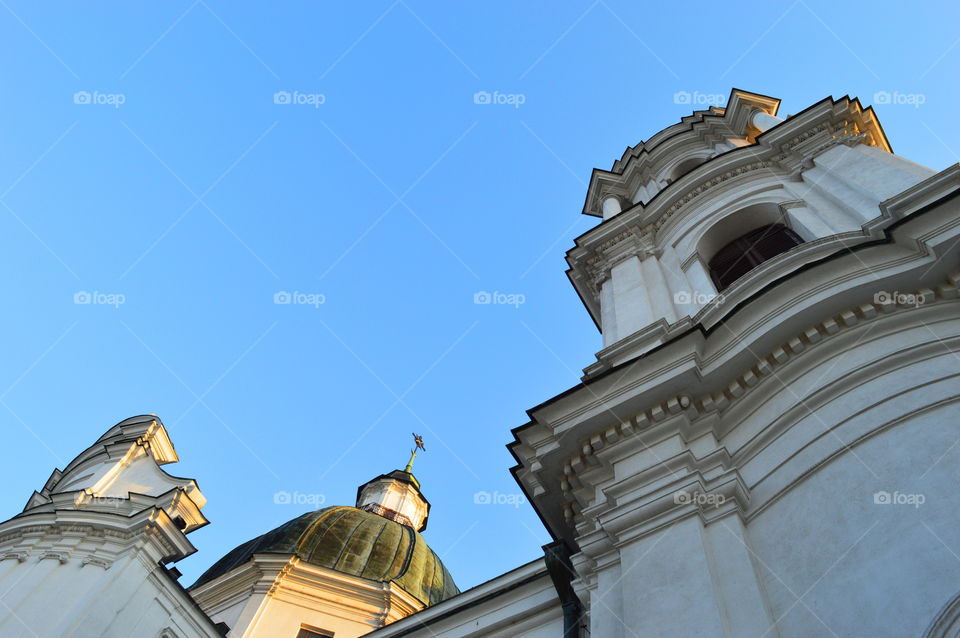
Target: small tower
397 495
665 258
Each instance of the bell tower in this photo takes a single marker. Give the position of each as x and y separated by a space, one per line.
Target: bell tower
671 204
778 299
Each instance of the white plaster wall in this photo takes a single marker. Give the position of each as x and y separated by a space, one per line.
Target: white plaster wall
807 553
47 599
282 617
871 171
877 410
606 600
74 567
859 568
666 585
239 612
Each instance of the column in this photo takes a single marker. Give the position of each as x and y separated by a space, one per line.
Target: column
764 121
608 312
742 602
677 281
606 605
701 286
668 580
661 299
632 304
611 206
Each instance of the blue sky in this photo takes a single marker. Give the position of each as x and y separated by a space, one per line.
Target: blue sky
149 162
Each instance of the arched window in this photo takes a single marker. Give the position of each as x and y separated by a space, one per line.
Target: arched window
749 251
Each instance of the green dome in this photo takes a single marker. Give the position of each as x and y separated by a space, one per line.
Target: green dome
353 542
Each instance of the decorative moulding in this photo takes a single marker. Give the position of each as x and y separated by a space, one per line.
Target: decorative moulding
702 406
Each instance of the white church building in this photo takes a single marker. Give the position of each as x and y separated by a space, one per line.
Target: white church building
767 445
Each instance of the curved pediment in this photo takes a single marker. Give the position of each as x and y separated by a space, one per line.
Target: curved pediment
649 166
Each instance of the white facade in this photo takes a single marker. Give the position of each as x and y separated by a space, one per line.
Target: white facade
278 595
777 459
85 557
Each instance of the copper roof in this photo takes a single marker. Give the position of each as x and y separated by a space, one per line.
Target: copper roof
353 542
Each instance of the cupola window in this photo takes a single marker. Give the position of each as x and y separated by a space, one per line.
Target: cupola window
749 251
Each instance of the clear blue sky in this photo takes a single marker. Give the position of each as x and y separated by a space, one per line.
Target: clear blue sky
397 199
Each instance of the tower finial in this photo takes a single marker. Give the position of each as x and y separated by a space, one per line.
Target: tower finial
418 445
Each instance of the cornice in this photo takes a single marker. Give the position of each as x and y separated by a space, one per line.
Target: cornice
707 127
915 228
709 499
93 538
505 585
286 578
580 472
